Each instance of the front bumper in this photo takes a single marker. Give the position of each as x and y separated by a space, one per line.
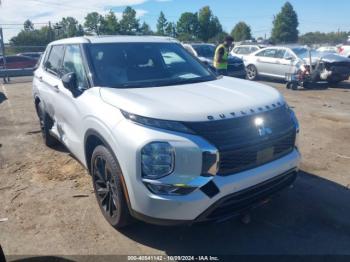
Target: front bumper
235 194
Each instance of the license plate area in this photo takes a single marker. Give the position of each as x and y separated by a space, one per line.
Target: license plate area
264 155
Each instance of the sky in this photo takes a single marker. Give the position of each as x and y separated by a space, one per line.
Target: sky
314 15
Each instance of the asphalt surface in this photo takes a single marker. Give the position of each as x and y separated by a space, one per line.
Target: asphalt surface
47 205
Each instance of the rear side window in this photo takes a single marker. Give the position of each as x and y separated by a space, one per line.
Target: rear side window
280 53
54 60
267 53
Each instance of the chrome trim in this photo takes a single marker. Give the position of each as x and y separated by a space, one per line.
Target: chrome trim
209 150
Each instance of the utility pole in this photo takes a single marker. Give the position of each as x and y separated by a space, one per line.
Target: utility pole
2 50
2 47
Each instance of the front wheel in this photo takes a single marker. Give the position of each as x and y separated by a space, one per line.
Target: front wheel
107 181
252 72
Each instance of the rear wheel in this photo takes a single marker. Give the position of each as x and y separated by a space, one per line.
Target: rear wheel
252 72
45 126
107 181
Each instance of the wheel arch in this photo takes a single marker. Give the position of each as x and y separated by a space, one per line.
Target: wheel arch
92 139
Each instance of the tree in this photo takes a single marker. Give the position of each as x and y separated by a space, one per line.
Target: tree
28 25
330 38
241 32
93 23
285 25
209 25
110 25
170 30
129 24
162 24
188 26
145 29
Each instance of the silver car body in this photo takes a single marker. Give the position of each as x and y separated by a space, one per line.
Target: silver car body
98 110
274 62
242 51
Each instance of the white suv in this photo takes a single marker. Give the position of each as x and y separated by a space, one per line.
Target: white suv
164 139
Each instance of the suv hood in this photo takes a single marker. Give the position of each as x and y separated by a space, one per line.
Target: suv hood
194 102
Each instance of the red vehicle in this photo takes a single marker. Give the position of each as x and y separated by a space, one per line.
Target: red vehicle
18 62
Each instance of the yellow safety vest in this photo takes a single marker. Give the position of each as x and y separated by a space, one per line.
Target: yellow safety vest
223 64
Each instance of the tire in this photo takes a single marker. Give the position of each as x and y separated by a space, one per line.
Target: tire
107 181
294 86
45 126
252 72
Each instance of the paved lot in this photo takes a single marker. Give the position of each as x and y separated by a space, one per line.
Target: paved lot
49 202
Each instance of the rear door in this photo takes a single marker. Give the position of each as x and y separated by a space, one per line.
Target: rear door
286 62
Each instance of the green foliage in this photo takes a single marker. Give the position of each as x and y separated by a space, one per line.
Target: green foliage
241 32
93 23
188 27
170 30
145 29
209 25
34 37
109 24
219 38
68 27
162 24
285 25
129 24
323 38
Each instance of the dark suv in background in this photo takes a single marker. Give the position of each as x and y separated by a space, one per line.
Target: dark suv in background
205 53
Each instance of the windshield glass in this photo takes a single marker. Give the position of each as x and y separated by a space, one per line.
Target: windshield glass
206 51
124 65
303 52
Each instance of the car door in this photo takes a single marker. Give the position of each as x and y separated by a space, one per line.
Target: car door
286 62
69 103
266 62
48 78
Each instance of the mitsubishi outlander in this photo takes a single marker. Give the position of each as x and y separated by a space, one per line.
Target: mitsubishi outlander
165 139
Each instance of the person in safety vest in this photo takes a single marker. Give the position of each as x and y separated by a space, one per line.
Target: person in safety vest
221 55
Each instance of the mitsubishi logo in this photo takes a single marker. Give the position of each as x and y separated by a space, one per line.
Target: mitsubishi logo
262 130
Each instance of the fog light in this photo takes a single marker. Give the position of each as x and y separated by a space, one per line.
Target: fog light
164 189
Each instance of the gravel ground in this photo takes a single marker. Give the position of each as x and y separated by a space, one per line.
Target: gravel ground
47 205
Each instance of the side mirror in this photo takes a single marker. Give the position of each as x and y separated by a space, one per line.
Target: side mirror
70 81
290 58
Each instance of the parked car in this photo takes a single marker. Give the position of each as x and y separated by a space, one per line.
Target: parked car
242 51
18 62
277 62
328 49
35 55
206 52
344 50
164 139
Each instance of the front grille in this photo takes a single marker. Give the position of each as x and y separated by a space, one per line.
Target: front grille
241 146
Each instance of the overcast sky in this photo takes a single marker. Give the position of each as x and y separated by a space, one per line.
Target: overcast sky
321 15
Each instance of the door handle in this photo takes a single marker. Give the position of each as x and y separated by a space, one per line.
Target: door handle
40 78
55 87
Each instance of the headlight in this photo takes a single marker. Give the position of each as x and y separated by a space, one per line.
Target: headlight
157 160
158 123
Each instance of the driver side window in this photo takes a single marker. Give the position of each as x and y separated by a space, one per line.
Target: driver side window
73 63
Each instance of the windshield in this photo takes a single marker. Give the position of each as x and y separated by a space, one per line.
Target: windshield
303 52
206 51
124 65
